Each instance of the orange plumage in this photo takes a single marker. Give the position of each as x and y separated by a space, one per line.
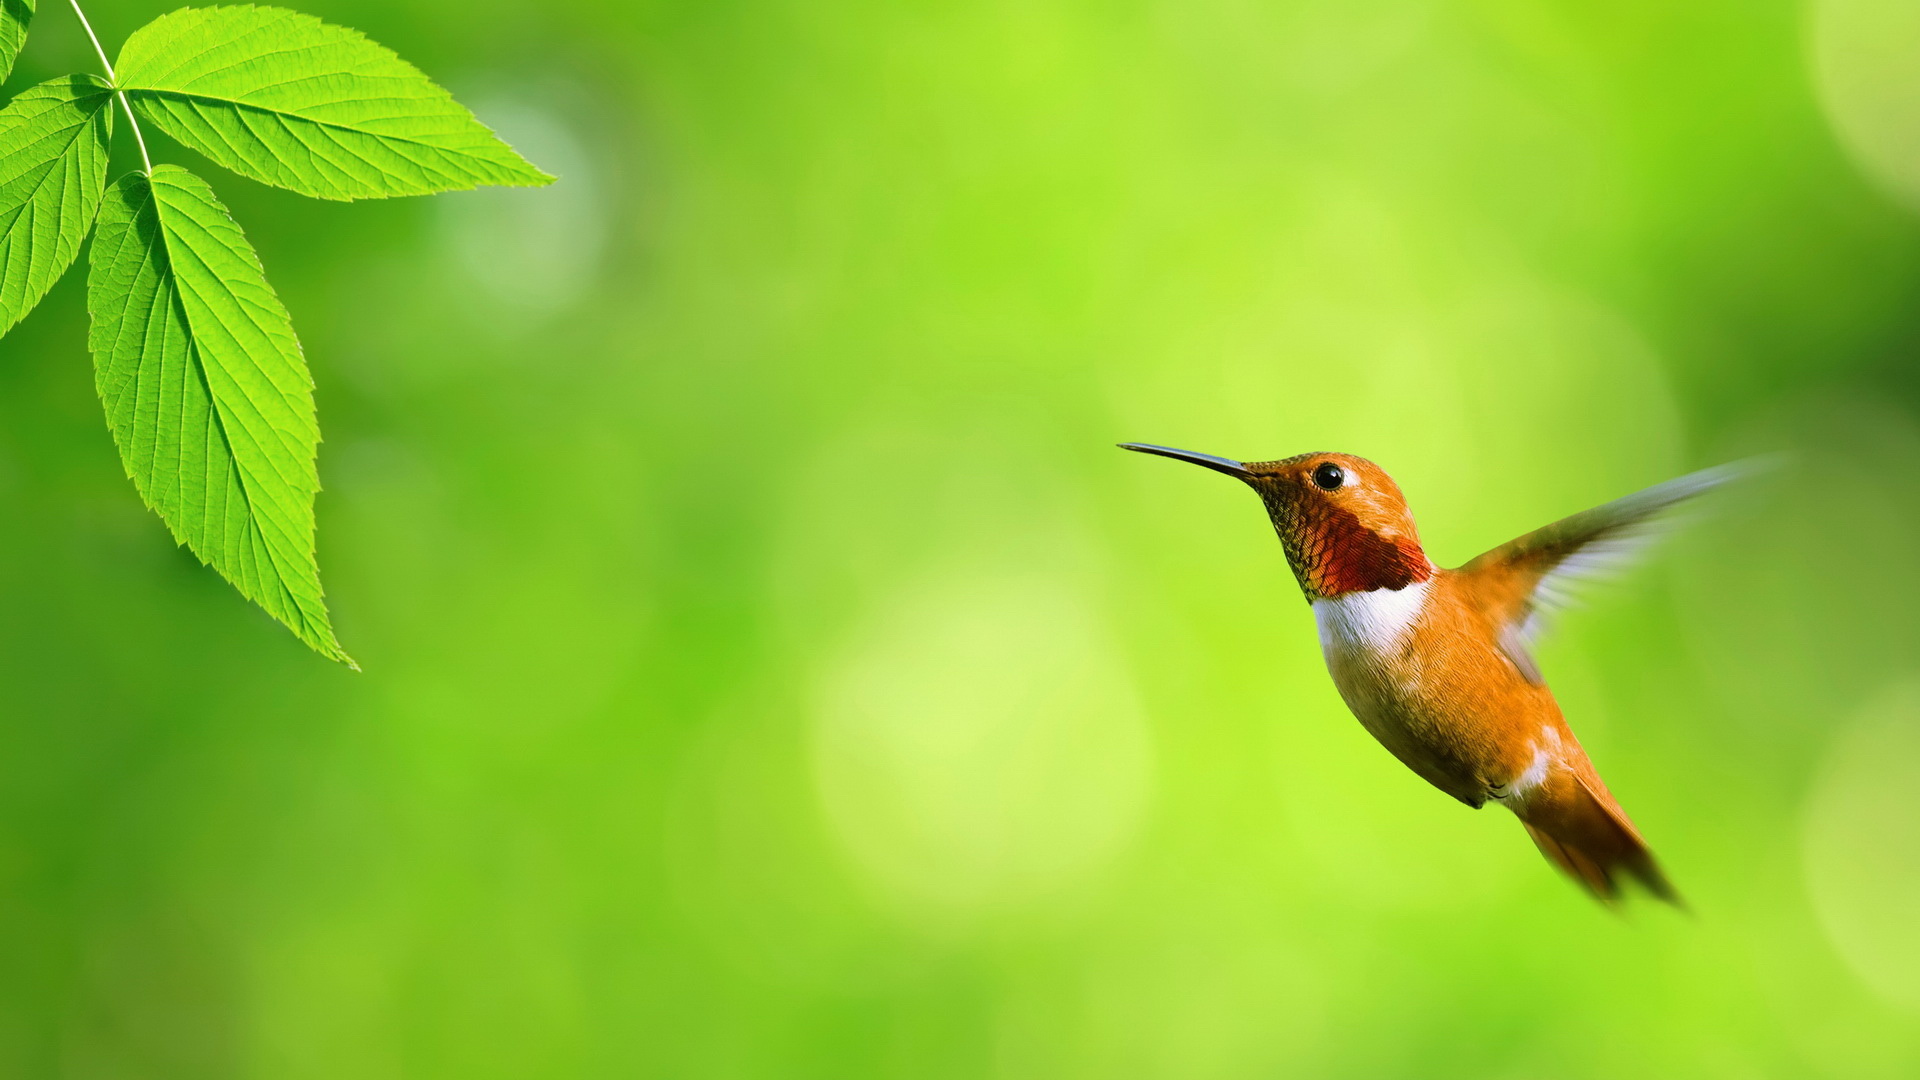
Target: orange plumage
1435 662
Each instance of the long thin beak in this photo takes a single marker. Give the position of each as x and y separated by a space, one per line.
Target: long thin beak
1206 461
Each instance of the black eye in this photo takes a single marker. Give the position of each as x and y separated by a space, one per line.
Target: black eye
1329 476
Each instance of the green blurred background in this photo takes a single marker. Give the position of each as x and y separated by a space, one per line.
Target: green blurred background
772 670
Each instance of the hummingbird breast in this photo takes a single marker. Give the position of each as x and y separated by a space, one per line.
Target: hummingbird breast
1422 669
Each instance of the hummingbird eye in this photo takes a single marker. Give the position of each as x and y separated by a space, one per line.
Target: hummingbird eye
1328 476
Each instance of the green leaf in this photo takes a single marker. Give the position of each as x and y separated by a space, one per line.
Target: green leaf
53 169
14 17
288 100
206 391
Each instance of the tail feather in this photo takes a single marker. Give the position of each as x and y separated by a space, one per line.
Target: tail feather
1579 828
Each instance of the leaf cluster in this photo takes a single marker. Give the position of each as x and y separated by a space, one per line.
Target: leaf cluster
204 384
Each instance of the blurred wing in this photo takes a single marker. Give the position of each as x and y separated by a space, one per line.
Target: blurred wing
1542 572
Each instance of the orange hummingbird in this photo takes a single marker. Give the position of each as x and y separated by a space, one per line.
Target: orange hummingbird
1435 663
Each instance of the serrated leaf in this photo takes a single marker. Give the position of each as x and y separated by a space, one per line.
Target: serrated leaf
206 391
288 100
53 169
15 17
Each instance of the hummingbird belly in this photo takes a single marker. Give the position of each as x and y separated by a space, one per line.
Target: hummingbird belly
1419 670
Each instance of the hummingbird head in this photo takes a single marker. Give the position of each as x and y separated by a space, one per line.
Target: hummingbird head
1342 520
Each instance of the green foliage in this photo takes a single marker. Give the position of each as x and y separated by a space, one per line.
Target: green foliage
14 17
288 100
53 167
206 392
202 378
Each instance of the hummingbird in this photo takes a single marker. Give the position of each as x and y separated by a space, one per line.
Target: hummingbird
1436 664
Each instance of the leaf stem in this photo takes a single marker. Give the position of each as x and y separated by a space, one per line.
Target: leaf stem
125 106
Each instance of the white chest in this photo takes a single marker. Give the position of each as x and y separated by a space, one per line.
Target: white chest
1370 623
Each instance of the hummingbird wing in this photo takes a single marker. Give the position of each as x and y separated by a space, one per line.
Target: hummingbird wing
1529 578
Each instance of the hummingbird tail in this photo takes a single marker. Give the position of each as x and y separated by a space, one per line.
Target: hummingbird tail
1586 834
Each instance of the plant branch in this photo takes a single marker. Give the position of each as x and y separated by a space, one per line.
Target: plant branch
125 105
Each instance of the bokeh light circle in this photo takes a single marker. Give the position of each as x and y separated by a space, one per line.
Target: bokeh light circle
979 746
1866 69
1862 845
